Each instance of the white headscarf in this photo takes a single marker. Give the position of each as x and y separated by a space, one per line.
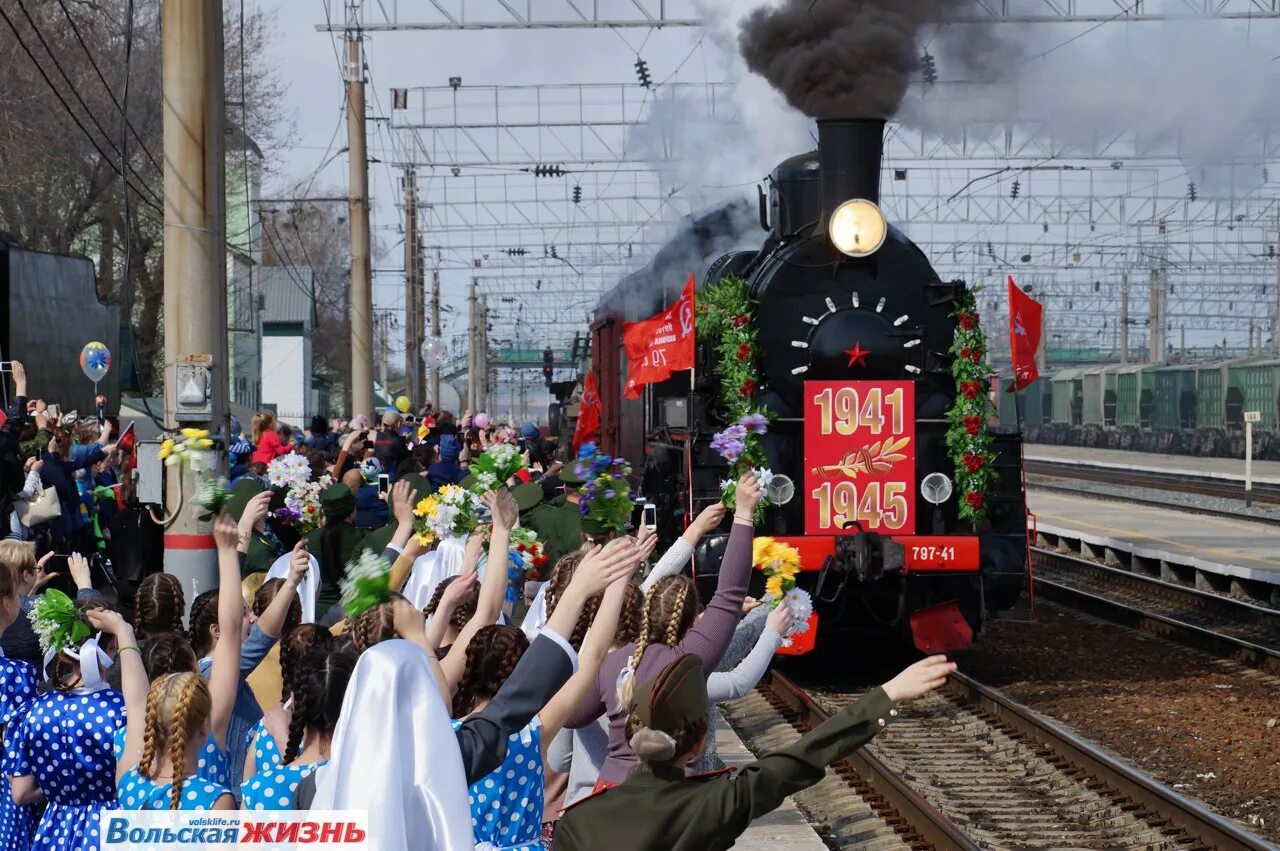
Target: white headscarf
430 569
307 589
395 755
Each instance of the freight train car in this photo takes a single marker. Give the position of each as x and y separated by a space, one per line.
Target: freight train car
853 333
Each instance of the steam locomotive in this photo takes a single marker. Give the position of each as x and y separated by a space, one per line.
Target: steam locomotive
854 328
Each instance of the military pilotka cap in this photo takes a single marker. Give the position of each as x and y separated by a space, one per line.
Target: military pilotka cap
527 495
243 492
674 699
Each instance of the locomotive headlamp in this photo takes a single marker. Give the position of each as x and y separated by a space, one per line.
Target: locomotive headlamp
935 488
857 228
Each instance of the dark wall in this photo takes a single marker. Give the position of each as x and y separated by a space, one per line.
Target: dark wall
51 309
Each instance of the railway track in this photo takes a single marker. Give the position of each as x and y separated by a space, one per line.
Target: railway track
1213 622
1046 483
967 768
1263 492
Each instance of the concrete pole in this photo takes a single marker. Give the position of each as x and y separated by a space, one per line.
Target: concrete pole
474 379
1155 333
1124 318
435 333
361 279
419 316
412 289
1275 331
195 269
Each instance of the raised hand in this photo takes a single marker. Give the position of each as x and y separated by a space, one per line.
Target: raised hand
505 511
226 532
42 578
80 571
299 564
471 552
919 679
779 619
408 621
601 567
747 497
455 592
402 500
707 520
255 512
749 605
108 621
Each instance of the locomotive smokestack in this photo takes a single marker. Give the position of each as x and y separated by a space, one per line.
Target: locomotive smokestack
850 150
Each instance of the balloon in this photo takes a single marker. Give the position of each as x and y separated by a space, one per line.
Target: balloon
481 420
435 352
95 360
403 404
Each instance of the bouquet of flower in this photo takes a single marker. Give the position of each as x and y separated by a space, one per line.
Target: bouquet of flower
780 563
452 510
526 547
211 496
366 583
302 505
289 472
495 466
607 501
739 444
193 450
57 622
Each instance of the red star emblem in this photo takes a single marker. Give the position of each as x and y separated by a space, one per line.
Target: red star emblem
857 355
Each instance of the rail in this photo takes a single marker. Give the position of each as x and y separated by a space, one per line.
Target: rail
1214 622
1198 826
1263 492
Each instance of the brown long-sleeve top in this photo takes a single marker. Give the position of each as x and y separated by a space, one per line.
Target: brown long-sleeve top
707 640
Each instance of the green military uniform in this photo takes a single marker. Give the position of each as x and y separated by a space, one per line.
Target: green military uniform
338 503
263 549
660 808
558 523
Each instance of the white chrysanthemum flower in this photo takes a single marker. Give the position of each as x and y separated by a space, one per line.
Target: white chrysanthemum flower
366 566
764 475
801 605
209 492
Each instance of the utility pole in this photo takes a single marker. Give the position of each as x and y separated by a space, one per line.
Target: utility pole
1124 318
1155 320
474 393
412 288
1275 331
435 335
483 354
382 322
195 268
361 278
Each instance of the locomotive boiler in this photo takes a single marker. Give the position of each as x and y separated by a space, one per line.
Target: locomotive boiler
854 338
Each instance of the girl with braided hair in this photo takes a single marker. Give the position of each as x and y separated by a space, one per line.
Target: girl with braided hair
269 738
59 750
171 722
319 688
668 631
507 804
254 638
158 606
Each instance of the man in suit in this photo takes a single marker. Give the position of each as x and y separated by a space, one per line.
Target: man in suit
658 807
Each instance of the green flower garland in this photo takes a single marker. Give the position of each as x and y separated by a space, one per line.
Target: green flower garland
727 316
968 441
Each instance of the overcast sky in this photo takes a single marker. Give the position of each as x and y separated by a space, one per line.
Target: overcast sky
1208 81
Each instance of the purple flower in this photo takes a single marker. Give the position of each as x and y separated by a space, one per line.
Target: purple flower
758 423
729 445
580 470
583 508
610 493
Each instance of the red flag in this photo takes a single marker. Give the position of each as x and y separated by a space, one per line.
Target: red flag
588 412
1025 327
661 345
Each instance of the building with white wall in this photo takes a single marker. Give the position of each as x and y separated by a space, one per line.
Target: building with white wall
287 325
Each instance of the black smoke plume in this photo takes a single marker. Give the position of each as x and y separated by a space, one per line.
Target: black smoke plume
844 58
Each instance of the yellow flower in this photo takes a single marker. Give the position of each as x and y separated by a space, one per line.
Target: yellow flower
166 448
203 443
195 433
426 538
426 507
773 587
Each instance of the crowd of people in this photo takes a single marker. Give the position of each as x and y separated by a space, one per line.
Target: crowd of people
438 693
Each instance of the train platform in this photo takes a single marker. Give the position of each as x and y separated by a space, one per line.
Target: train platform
786 826
1230 469
1219 554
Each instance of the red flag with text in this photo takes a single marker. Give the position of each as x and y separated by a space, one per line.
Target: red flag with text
1025 327
588 412
660 346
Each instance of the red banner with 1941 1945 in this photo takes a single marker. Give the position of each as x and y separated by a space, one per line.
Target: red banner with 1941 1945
859 457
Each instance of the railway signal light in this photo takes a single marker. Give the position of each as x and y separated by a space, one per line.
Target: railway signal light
642 72
548 365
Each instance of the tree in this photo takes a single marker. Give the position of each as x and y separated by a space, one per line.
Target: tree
64 143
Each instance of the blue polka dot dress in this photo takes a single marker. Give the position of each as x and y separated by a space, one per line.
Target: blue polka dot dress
264 753
274 788
506 805
213 766
18 684
64 741
138 793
